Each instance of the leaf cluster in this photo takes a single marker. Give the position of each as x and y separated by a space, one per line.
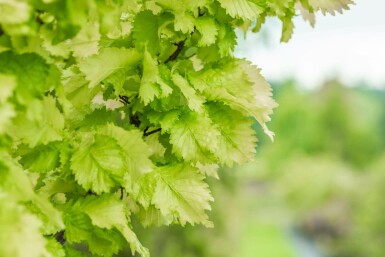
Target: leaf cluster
111 110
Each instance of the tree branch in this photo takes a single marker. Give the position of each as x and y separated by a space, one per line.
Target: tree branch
146 134
178 50
124 99
59 236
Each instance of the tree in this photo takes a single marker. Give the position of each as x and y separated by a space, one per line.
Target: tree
114 109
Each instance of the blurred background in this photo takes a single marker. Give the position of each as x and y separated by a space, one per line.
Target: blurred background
319 189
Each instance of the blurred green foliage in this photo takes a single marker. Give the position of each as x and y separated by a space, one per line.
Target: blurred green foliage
323 175
328 165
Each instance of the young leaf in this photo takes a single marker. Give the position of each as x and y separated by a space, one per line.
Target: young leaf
242 9
331 6
108 62
237 141
181 192
45 123
193 136
146 31
194 100
18 224
99 163
135 151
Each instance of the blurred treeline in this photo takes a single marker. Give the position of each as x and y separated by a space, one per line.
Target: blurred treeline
324 176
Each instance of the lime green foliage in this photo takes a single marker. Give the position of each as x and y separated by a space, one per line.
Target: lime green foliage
119 109
324 174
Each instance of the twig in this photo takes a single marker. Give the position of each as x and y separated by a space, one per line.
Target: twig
121 193
178 50
134 120
124 99
59 236
145 133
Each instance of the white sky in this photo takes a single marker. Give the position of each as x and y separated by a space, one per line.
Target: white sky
350 46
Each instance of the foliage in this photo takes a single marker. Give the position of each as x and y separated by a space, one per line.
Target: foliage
328 187
118 109
327 165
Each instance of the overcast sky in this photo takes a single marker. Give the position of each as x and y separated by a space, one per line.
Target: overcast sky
349 46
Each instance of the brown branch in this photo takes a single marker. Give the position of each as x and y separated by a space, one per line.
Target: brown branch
146 134
134 120
124 99
121 193
178 50
59 236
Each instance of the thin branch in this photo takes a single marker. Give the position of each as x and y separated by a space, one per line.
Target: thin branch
134 120
124 99
89 192
59 236
178 50
146 134
121 193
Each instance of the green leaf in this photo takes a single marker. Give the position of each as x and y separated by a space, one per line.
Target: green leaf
105 211
7 86
151 216
136 152
146 31
99 163
208 29
193 136
102 242
144 189
287 28
16 183
109 212
41 123
30 70
109 61
55 248
242 9
18 225
42 158
181 192
152 84
331 6
156 147
184 22
237 139
251 97
13 180
194 101
86 41
71 252
264 103
306 11
279 7
76 88
14 12
7 112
